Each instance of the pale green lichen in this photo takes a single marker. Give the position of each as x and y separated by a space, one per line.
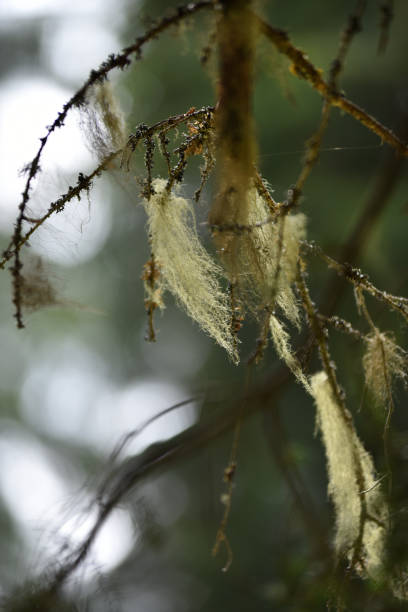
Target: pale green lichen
269 256
281 342
187 270
103 121
383 362
360 527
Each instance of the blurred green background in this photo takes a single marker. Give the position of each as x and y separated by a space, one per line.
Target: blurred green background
80 374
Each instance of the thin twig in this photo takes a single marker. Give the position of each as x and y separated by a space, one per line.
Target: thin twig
278 446
387 15
357 278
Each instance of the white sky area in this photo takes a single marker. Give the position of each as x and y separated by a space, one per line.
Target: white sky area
75 47
80 231
66 394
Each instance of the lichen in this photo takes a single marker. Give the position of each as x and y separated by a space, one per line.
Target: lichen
37 290
268 257
361 513
187 270
383 362
280 339
103 121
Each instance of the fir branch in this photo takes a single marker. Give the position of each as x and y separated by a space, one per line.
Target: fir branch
303 68
84 184
387 177
359 279
314 144
341 325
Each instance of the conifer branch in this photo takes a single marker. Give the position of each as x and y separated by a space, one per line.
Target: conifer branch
314 143
303 68
359 279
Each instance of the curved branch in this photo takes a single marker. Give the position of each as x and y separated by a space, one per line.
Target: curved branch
122 61
85 181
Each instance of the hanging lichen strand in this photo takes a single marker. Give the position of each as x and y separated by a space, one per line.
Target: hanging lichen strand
361 513
187 270
383 361
103 121
235 148
281 338
268 257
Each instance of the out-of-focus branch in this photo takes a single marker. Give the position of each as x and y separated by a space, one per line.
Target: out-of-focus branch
314 143
278 446
121 480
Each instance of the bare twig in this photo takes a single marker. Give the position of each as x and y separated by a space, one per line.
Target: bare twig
387 15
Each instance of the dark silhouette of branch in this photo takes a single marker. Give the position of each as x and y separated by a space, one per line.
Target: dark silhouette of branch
122 479
278 445
387 15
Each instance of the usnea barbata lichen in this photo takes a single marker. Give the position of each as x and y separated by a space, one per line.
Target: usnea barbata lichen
269 255
281 342
187 270
361 513
103 121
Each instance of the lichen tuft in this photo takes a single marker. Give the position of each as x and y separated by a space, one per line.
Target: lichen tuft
280 339
103 121
384 362
187 270
361 513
